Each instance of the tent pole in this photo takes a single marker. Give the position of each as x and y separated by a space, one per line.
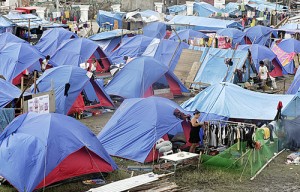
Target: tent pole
22 99
176 48
34 80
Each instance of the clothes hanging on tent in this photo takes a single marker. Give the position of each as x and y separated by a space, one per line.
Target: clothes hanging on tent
6 116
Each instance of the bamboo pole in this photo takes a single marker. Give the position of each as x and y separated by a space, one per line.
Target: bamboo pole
22 99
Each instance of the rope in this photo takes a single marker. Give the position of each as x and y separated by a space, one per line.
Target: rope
94 162
44 180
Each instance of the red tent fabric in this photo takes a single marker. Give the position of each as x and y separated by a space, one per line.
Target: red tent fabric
81 162
78 105
174 87
277 72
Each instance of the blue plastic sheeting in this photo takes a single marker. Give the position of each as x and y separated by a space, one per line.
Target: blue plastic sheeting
155 30
259 34
137 124
264 5
213 68
290 26
5 22
236 35
290 45
203 23
7 37
52 38
58 77
108 34
258 53
25 146
168 52
17 57
231 7
186 34
294 87
177 8
130 46
232 101
74 52
136 77
204 9
8 92
6 116
104 17
22 20
90 91
293 108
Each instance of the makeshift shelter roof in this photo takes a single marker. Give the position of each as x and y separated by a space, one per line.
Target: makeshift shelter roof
259 34
290 27
69 148
293 107
8 92
52 39
203 23
232 101
258 53
137 77
264 5
56 79
137 124
4 22
7 37
77 51
294 87
186 34
213 68
290 45
236 35
104 17
204 9
155 30
130 46
177 8
17 57
109 34
144 16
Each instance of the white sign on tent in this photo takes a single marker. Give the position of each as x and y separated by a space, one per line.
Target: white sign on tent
39 104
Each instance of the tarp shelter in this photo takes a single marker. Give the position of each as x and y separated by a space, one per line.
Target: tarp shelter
141 76
80 50
233 9
232 101
286 59
203 9
187 34
17 57
137 124
8 37
58 79
236 35
213 68
131 47
259 35
203 23
292 110
146 16
294 87
52 38
155 30
290 28
290 45
259 53
177 9
6 25
109 34
8 92
47 148
114 19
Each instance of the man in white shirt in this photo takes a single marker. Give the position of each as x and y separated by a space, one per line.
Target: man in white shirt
44 63
263 73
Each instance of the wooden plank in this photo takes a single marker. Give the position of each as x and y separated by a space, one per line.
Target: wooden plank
192 74
184 66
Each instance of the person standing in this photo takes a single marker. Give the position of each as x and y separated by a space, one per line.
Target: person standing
195 129
263 74
253 22
45 63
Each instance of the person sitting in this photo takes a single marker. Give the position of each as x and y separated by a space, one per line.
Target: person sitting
45 63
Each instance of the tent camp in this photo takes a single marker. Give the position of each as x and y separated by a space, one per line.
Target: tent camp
131 47
17 57
137 124
107 18
155 30
52 38
203 23
290 45
258 35
231 101
214 70
142 77
80 50
68 82
7 37
236 35
62 149
187 34
8 92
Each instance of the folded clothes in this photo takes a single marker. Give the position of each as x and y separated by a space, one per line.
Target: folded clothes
293 158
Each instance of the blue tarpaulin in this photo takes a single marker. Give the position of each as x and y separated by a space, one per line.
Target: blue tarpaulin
236 35
259 34
8 92
155 30
109 34
293 107
213 68
177 8
58 77
294 87
138 123
204 9
52 38
105 17
33 139
187 34
232 101
6 38
17 57
203 23
290 45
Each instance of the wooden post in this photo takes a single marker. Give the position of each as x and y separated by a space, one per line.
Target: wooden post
28 30
284 86
34 80
22 99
